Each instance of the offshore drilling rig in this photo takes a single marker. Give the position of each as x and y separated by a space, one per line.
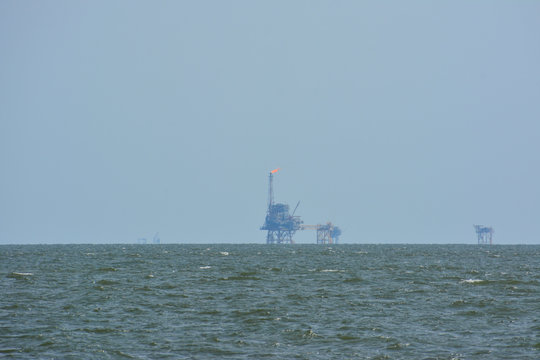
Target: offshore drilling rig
281 225
484 234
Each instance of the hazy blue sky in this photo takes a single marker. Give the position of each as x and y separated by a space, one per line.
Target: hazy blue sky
400 121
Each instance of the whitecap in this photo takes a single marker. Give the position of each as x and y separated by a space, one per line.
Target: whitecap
204 267
473 281
224 253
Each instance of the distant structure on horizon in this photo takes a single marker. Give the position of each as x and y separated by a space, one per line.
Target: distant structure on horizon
484 234
281 225
155 240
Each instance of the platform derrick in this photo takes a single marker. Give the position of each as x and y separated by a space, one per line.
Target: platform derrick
281 225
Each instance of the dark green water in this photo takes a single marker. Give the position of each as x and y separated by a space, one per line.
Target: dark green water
274 302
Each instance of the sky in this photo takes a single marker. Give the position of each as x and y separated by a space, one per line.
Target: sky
399 121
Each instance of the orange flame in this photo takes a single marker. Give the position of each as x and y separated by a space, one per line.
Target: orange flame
275 170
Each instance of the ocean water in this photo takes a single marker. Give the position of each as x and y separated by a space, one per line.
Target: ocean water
269 302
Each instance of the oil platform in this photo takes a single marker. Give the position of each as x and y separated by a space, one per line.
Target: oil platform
484 234
281 225
326 234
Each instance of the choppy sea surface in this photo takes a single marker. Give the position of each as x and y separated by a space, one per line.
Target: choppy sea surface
269 302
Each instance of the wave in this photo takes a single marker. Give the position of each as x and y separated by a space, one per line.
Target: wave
473 281
22 274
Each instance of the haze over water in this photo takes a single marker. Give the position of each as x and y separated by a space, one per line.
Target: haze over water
398 121
275 302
